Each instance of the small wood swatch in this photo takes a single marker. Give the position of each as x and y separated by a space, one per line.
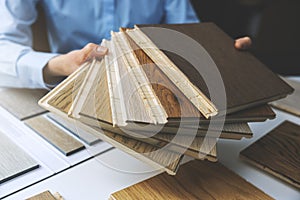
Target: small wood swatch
13 160
278 153
291 103
54 135
22 103
75 128
43 196
194 180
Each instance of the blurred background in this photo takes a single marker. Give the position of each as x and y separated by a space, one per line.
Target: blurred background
273 25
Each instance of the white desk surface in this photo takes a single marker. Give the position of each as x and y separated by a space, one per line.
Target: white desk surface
98 177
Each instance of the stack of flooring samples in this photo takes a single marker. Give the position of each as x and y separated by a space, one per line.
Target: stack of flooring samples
291 103
156 106
194 180
278 153
13 160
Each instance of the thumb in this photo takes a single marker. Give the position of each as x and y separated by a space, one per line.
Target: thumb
98 52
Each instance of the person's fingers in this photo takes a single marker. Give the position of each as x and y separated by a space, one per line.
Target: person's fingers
243 43
91 51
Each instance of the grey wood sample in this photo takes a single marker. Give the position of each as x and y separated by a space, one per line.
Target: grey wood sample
22 103
278 153
43 196
291 103
75 128
54 135
13 160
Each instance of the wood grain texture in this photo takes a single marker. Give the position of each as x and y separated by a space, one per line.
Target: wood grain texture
151 154
194 180
13 160
194 94
154 112
291 103
22 103
278 153
75 128
61 97
54 135
247 81
171 98
43 196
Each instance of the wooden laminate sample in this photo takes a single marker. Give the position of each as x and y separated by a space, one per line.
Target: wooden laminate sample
43 196
13 160
278 153
54 135
247 81
75 128
194 180
291 103
146 152
22 103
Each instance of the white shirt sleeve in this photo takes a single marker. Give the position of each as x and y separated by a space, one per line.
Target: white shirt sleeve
20 65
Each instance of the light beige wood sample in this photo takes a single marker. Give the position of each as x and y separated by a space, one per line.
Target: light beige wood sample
22 103
13 160
200 101
154 112
43 196
291 103
61 98
54 135
278 153
75 127
194 180
58 196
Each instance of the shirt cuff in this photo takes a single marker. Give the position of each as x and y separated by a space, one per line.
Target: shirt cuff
30 68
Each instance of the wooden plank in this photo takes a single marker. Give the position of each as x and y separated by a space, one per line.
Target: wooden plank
43 196
151 154
75 128
291 103
278 153
61 97
54 135
13 160
22 103
154 112
247 81
194 180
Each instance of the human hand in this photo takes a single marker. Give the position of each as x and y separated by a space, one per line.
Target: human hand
243 43
64 65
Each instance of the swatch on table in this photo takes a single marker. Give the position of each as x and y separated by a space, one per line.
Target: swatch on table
291 103
43 196
13 160
22 103
194 180
75 127
54 135
278 153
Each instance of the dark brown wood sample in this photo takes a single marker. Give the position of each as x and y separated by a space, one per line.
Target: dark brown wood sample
278 153
291 103
43 196
194 180
176 103
54 135
13 160
247 81
22 103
